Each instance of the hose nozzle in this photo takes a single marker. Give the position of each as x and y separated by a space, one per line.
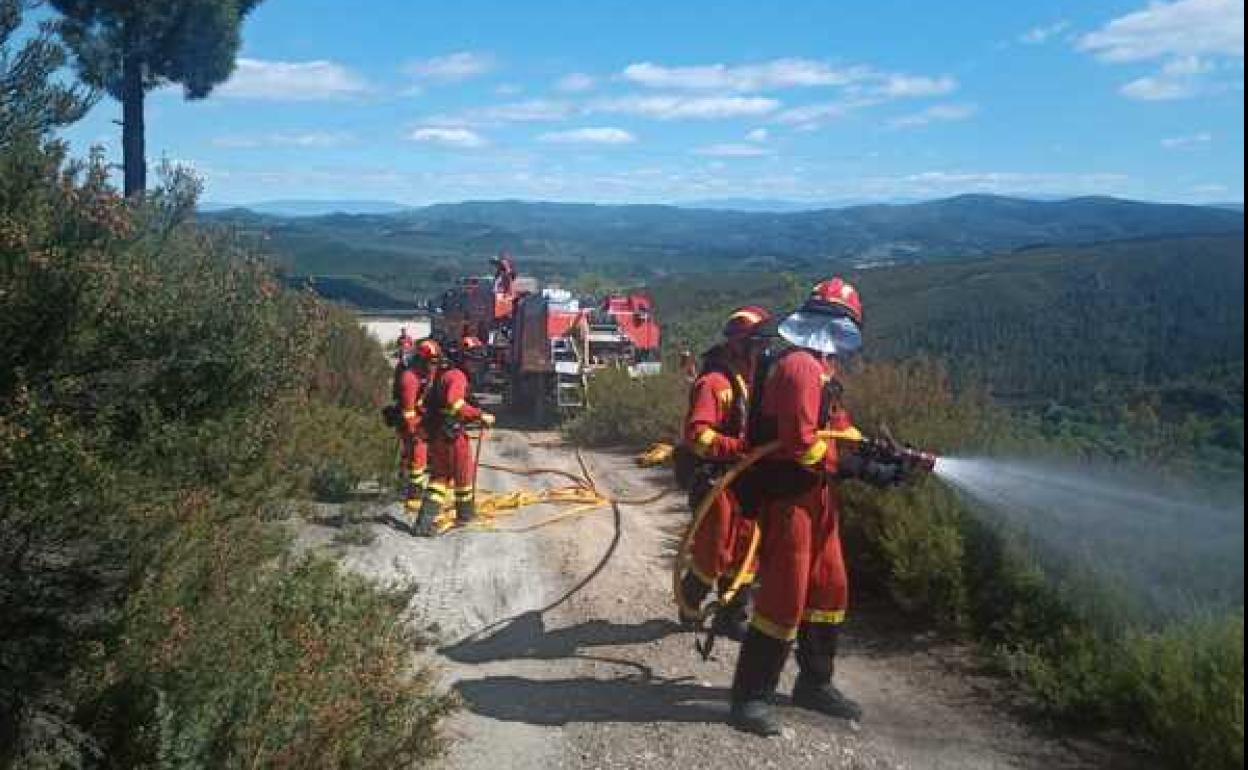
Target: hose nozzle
887 450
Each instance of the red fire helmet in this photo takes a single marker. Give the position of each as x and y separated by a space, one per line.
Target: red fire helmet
835 294
429 350
745 321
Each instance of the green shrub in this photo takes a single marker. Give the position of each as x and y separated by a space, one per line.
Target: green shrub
166 397
238 654
1184 687
630 412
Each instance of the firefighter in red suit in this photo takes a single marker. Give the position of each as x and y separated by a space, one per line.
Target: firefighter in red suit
803 590
448 413
504 273
715 434
409 392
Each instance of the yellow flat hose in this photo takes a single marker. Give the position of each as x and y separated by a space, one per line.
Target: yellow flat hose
683 556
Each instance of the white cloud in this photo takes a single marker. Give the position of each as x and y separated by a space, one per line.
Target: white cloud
1042 34
317 80
452 68
1187 66
508 89
937 113
528 111
681 107
1191 36
758 135
1182 28
302 139
576 82
732 150
898 86
593 135
1160 88
460 138
941 183
1188 142
775 74
811 116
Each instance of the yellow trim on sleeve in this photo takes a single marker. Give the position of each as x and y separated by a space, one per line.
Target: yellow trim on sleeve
707 437
454 408
815 453
410 414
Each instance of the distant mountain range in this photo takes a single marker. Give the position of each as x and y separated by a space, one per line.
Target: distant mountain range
641 240
309 208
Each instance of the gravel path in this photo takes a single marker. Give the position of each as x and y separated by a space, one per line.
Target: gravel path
561 643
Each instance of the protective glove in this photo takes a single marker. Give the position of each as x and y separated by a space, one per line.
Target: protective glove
487 419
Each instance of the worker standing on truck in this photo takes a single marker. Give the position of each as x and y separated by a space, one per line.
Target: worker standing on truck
714 436
803 589
449 410
504 273
409 394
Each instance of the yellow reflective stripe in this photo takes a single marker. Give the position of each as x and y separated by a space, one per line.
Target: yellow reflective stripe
438 492
741 383
824 616
848 434
410 413
774 630
748 577
815 453
724 396
748 315
707 437
455 407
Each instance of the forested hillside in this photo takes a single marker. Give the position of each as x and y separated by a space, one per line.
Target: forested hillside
415 250
1129 333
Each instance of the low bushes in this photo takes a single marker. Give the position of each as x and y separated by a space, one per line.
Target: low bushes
1072 638
630 412
167 397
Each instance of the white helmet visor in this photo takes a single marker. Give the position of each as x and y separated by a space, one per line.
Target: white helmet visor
835 335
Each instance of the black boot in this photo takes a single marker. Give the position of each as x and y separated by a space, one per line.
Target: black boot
427 520
758 672
693 592
816 655
465 511
732 620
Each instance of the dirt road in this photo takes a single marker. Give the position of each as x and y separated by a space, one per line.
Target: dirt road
562 645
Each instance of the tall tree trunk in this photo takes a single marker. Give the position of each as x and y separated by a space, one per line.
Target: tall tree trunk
133 152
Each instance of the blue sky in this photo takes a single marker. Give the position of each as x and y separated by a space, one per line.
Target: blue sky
644 101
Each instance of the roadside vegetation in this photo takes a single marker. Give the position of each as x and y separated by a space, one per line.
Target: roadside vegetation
1091 655
164 400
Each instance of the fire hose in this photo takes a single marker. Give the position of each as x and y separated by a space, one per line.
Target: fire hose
885 448
584 494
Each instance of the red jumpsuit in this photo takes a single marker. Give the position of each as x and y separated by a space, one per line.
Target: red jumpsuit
803 578
450 450
715 431
412 437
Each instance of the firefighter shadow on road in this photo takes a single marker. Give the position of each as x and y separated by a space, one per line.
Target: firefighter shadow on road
526 636
556 702
636 697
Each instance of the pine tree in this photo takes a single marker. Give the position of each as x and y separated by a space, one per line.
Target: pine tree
32 103
129 47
